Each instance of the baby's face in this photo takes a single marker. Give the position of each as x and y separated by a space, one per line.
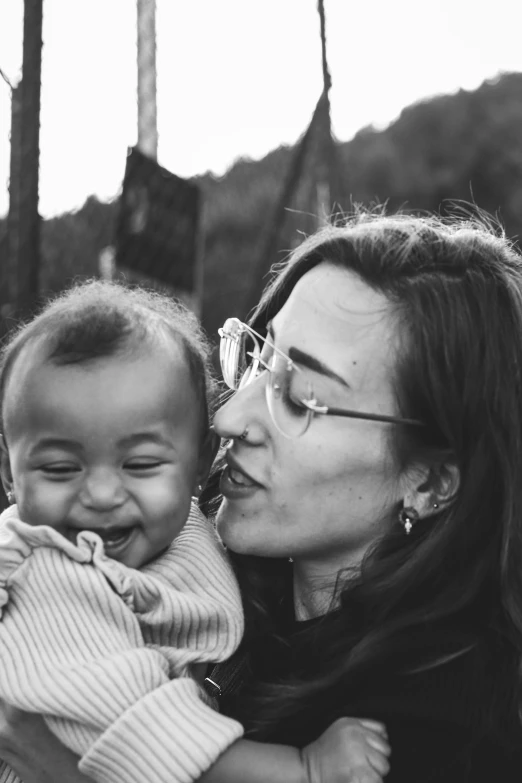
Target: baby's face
111 446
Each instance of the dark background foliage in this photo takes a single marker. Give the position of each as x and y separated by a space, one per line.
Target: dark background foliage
466 146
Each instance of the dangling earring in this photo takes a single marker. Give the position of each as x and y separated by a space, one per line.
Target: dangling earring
408 516
10 496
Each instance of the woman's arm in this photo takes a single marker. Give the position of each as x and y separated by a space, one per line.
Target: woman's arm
32 750
349 751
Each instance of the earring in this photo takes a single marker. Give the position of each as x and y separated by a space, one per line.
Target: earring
408 516
10 496
435 505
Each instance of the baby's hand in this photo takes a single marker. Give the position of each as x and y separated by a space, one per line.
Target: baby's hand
349 751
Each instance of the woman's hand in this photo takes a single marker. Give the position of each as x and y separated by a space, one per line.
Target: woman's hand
35 754
349 751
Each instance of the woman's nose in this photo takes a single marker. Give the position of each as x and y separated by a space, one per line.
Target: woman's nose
244 412
103 490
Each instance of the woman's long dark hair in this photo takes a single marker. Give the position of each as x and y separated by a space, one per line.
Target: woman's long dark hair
456 287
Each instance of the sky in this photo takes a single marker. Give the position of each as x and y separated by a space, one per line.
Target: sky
236 78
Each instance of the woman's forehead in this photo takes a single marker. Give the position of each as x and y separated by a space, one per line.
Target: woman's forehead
335 316
337 294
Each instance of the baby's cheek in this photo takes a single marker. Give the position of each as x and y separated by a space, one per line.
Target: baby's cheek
167 512
41 505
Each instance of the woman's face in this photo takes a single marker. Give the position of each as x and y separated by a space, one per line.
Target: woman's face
327 495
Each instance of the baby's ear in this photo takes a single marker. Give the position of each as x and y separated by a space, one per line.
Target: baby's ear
209 449
5 466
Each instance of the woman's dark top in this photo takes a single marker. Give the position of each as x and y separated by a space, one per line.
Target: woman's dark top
452 722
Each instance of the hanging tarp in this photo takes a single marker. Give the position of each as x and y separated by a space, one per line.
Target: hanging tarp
157 230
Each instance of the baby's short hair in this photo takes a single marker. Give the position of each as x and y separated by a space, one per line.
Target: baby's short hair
99 319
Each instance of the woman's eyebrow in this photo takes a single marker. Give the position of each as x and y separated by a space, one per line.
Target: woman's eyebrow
306 360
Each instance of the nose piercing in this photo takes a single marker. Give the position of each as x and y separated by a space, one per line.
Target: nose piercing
229 442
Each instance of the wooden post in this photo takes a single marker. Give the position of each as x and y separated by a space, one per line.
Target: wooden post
9 288
147 109
24 220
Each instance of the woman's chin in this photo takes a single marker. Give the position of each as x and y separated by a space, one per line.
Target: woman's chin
240 531
229 523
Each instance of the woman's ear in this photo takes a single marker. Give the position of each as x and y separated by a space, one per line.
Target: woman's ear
209 449
433 489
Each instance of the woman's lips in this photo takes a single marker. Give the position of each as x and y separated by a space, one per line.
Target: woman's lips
236 483
238 473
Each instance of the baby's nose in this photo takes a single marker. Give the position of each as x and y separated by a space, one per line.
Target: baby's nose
103 490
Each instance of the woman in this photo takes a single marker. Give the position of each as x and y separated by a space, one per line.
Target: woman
372 496
404 531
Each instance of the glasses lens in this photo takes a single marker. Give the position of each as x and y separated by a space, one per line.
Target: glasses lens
238 353
286 388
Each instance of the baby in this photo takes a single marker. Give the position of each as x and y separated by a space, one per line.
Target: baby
105 404
115 593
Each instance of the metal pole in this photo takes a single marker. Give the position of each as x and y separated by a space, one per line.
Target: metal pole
269 246
147 108
325 141
24 220
327 79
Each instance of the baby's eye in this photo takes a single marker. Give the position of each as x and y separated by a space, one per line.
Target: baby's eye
143 464
60 469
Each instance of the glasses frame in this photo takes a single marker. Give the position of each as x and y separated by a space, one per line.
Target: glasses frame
320 410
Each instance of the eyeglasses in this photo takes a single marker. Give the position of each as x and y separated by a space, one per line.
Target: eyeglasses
289 390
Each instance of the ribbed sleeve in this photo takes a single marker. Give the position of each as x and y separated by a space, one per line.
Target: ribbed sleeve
6 774
93 646
139 746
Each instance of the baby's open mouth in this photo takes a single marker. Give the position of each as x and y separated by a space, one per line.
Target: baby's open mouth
114 539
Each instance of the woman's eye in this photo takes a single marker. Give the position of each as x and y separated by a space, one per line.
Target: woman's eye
294 405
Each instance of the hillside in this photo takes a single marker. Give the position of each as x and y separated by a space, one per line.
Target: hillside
465 146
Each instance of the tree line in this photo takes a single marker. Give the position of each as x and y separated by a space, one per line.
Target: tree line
466 146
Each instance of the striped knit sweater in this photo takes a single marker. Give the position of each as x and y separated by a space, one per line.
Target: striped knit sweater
104 652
